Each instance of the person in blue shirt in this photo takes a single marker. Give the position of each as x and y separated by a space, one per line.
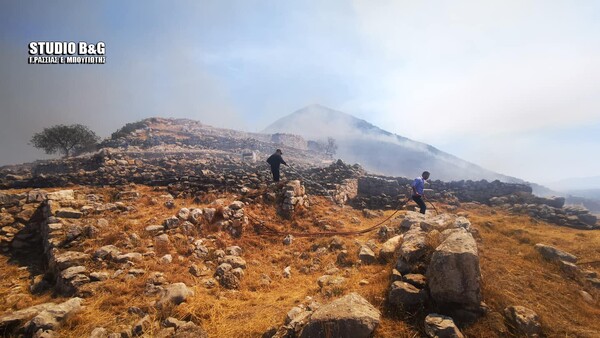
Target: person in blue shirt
417 190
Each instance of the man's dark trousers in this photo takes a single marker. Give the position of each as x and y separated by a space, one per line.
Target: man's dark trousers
275 172
419 200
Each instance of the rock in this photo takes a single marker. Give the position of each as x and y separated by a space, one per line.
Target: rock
406 295
183 214
287 272
441 327
349 316
587 297
415 279
166 259
396 275
237 205
195 216
569 269
155 228
288 240
143 325
327 280
99 332
68 213
234 250
553 254
293 313
99 276
462 222
14 318
107 251
132 256
390 247
522 321
171 223
53 317
414 245
190 330
69 259
70 273
234 261
453 275
62 195
209 214
366 255
174 294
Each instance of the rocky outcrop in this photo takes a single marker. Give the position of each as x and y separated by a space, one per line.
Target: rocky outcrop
40 318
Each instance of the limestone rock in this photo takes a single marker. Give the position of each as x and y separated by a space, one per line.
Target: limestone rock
390 247
349 316
522 321
553 254
414 245
366 255
53 317
175 294
406 295
439 326
453 274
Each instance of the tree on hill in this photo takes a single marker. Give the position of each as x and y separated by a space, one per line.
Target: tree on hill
331 147
66 140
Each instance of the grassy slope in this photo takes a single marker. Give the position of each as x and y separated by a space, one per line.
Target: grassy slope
512 273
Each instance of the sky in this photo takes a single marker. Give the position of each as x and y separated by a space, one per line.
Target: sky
513 86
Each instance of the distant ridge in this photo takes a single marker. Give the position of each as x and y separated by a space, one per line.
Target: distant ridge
378 150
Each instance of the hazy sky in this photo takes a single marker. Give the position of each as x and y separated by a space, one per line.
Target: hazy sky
511 85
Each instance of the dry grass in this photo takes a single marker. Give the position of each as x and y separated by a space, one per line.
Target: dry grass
512 273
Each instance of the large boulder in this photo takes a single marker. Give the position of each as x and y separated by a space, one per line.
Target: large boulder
349 316
453 275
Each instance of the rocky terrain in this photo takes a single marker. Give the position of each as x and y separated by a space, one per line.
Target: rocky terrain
175 230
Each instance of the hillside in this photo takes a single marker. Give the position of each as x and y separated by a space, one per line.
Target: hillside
378 150
175 229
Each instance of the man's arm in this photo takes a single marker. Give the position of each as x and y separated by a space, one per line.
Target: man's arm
414 188
282 161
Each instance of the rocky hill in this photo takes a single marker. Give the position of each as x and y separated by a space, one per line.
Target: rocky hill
174 229
378 150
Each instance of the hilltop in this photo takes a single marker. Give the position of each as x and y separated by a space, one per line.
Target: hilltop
378 150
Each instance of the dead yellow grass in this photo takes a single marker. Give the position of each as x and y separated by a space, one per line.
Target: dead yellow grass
513 273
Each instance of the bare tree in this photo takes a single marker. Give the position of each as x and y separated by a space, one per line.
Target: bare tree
66 140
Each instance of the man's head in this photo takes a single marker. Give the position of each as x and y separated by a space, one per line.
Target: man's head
278 151
425 175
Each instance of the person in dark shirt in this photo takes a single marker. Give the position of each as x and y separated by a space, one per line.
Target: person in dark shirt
275 161
418 186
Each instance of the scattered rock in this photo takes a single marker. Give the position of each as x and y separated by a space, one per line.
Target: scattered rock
174 294
366 255
390 247
406 295
349 316
553 254
439 326
522 321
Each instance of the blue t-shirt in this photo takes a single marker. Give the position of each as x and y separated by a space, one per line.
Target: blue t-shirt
419 185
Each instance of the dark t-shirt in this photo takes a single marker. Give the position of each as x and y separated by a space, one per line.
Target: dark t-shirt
275 161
